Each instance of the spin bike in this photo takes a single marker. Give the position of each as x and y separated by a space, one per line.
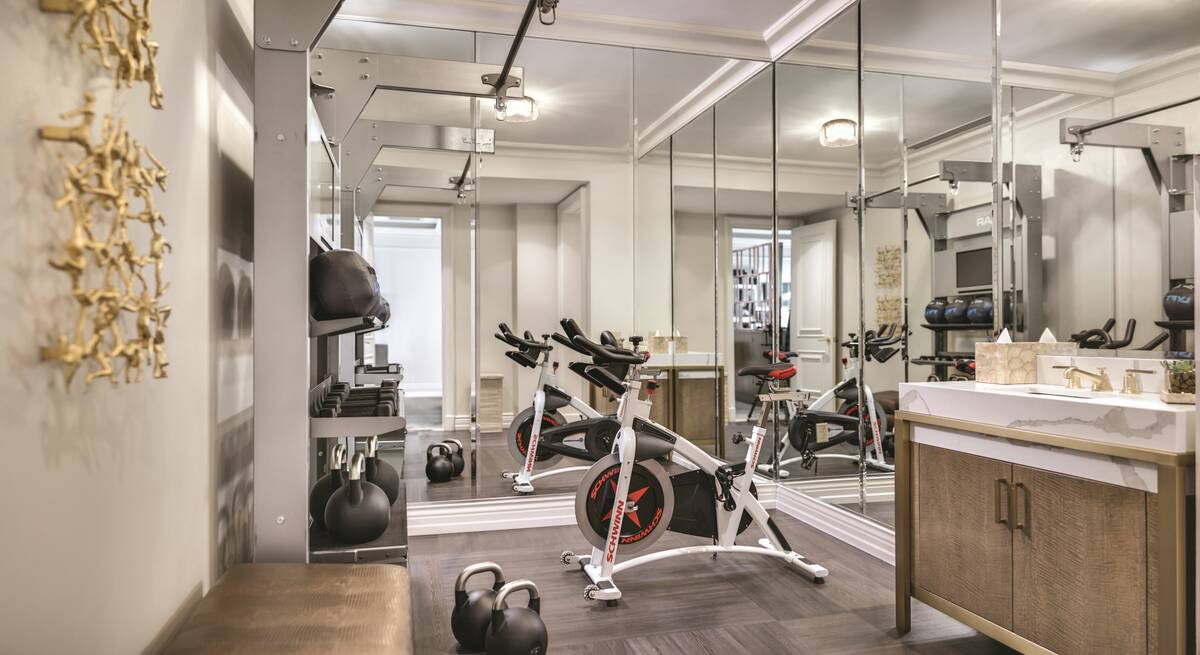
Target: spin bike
809 431
626 500
539 437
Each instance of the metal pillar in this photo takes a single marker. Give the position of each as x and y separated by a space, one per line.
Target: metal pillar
285 31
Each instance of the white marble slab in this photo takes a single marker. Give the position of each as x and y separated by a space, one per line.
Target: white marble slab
1142 421
1101 468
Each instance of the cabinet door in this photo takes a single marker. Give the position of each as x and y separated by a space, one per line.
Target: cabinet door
963 543
1079 564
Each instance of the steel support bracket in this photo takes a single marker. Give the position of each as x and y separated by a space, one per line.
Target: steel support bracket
292 25
381 177
1158 143
355 76
1181 189
1027 189
927 205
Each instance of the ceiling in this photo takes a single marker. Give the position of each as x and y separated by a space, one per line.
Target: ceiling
1109 36
512 191
754 16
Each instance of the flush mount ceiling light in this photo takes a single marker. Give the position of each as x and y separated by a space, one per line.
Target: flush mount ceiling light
516 110
839 133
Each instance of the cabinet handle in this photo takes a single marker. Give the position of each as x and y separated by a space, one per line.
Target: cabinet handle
1002 495
1022 523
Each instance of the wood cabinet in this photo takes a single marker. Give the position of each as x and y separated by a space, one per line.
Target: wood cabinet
687 401
964 547
1061 561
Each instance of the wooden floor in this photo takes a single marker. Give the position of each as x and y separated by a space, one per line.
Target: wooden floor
691 605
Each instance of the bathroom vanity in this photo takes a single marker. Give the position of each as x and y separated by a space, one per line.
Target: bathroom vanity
1052 524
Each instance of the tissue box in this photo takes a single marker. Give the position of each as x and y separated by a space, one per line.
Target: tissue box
1014 363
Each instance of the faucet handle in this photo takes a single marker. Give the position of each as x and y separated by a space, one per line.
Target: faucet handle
1133 384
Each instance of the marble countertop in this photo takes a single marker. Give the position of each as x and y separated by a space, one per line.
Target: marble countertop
1143 420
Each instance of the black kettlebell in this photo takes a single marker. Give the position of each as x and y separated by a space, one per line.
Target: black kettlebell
1177 304
438 467
956 311
981 310
935 311
516 630
325 485
380 473
472 612
456 456
359 511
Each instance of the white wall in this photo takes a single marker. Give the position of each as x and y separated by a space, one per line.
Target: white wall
496 238
118 501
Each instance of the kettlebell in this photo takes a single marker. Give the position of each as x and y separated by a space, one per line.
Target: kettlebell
380 473
472 612
438 467
956 311
935 311
456 456
359 511
981 310
516 630
325 485
1177 304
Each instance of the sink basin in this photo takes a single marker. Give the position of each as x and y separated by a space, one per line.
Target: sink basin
1056 390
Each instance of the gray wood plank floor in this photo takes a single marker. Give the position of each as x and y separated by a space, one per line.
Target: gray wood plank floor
691 605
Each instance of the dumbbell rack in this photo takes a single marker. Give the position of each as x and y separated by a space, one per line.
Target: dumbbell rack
943 358
392 546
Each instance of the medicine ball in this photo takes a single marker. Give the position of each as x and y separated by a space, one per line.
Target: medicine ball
981 310
956 311
342 285
935 311
1178 302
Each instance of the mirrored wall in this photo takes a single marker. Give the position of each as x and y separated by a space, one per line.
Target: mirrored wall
827 226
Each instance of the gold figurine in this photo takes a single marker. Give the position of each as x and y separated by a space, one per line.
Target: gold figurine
116 30
111 186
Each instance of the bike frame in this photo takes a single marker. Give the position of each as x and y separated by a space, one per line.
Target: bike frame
547 379
601 565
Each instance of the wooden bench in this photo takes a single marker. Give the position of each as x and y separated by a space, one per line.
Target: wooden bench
302 608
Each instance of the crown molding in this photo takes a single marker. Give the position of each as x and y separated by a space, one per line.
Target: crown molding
728 77
1160 70
801 22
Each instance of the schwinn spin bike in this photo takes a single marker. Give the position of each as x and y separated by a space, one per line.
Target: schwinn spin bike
627 500
539 436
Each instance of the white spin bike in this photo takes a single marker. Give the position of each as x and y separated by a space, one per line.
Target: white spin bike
626 500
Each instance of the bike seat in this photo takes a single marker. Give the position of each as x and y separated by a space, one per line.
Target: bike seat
888 400
781 371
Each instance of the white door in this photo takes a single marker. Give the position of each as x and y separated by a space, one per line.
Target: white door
814 304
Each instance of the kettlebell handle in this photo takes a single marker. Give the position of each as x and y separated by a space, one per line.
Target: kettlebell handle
356 466
501 602
460 585
372 446
337 457
444 447
457 444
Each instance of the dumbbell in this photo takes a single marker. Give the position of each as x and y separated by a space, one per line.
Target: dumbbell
342 387
365 392
334 402
381 409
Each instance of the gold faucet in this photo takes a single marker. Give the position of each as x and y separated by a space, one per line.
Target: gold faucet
1074 375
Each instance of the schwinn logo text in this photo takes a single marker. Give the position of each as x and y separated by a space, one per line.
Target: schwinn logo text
614 532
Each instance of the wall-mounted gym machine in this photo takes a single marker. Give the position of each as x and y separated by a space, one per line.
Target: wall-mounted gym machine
1173 171
294 82
963 252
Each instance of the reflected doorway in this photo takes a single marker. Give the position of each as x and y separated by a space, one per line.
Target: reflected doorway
408 261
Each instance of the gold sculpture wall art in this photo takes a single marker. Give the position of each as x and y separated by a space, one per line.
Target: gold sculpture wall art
118 31
107 192
115 252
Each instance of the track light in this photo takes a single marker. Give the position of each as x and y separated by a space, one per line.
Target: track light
839 133
516 110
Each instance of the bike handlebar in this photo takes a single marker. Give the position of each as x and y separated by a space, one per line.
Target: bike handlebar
607 354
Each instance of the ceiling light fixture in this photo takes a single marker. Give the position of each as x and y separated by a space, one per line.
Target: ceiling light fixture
839 133
516 110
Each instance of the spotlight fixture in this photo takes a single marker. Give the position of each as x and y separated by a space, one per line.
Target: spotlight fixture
516 110
839 133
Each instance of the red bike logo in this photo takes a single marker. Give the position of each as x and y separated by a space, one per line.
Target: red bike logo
615 532
757 448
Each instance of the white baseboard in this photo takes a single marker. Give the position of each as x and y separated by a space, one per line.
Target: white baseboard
463 421
808 501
